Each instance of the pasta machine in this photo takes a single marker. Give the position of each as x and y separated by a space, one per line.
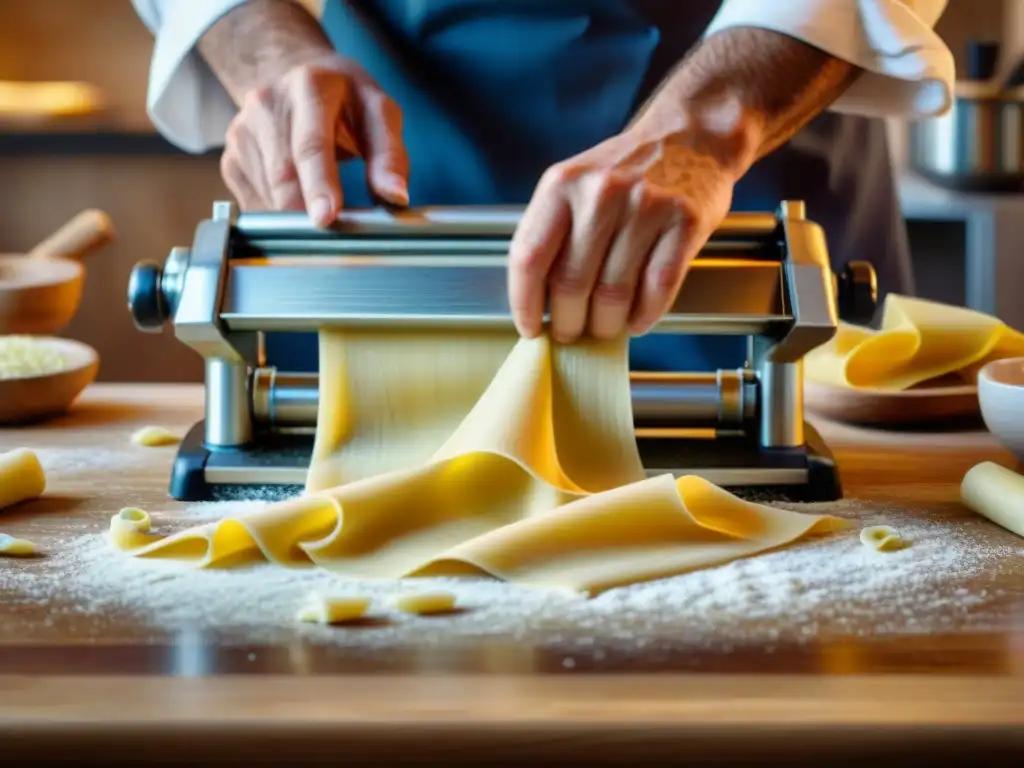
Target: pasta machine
762 275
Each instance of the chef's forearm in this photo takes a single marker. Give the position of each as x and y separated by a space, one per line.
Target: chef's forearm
762 85
258 41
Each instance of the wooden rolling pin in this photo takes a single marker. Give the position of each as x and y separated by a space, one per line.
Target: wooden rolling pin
995 493
86 232
41 290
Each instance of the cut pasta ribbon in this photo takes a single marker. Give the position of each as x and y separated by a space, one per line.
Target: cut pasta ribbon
997 494
881 538
426 603
488 455
21 477
12 547
321 609
917 341
154 437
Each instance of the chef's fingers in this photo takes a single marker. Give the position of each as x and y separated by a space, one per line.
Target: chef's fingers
664 274
599 202
241 167
246 195
379 125
274 157
615 293
317 101
535 246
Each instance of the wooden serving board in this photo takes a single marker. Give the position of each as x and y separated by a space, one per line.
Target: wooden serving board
940 401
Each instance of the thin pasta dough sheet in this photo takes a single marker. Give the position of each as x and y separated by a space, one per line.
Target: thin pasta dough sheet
917 341
484 454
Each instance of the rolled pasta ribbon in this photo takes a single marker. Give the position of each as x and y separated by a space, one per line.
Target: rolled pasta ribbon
426 603
155 437
997 494
130 528
21 477
338 609
12 547
881 538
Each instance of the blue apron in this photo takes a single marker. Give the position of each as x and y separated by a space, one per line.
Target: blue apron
495 91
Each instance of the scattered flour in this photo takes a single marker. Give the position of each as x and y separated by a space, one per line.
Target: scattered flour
828 586
68 462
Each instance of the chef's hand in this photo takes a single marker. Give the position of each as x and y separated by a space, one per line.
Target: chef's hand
282 150
609 234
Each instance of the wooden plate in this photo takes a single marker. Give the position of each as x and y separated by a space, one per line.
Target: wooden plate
32 398
941 400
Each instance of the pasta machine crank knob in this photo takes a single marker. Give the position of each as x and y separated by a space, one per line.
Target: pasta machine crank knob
145 297
857 292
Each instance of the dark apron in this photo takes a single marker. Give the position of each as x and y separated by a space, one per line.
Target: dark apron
495 91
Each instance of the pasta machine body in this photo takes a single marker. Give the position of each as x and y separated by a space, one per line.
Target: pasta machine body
765 276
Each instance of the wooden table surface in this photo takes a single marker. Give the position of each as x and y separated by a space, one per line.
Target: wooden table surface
112 684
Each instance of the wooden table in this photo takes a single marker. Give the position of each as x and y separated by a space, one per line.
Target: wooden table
112 686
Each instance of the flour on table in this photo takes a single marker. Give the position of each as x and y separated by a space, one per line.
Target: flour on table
833 586
65 462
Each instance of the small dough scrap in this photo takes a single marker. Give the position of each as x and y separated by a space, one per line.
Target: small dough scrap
426 603
881 538
339 609
997 494
155 437
130 528
12 547
21 477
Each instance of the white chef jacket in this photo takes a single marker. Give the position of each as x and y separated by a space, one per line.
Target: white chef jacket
908 69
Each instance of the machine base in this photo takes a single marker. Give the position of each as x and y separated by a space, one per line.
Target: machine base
275 468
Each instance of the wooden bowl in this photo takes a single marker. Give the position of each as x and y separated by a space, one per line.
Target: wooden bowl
40 292
942 400
29 399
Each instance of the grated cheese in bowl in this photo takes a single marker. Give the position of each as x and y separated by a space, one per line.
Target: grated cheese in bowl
24 357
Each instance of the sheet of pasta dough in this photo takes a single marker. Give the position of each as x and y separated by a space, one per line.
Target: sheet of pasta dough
489 455
916 341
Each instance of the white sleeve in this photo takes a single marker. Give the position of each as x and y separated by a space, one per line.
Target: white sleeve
185 101
908 70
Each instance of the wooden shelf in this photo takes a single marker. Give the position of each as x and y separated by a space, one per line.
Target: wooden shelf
87 143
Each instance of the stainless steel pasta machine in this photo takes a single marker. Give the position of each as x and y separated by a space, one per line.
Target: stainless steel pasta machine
762 275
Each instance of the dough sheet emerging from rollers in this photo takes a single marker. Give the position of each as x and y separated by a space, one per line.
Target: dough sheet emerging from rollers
481 454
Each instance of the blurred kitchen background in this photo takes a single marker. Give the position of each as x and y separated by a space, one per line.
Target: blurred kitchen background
968 246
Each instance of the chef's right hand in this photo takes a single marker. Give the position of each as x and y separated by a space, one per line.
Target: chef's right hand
282 150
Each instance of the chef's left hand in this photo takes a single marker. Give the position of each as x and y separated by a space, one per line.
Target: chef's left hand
609 234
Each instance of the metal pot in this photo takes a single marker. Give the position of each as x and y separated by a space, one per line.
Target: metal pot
978 146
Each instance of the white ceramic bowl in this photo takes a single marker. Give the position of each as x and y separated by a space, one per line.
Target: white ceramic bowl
1001 397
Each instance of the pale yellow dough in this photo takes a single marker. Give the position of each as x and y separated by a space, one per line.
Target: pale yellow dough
322 609
917 341
130 528
12 547
881 538
21 477
425 603
154 437
995 493
441 454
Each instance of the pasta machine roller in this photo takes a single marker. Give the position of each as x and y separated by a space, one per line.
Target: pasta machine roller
762 275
